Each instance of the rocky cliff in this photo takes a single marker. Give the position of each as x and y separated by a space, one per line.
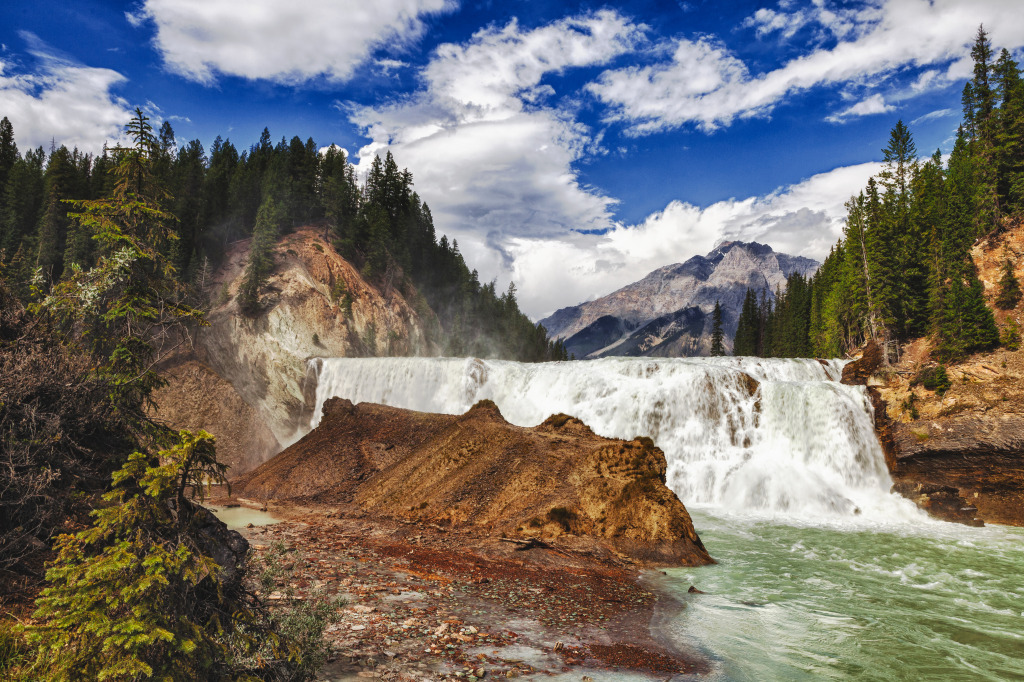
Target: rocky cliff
957 451
668 312
556 483
246 381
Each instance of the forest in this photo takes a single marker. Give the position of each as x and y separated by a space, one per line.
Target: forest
215 199
903 268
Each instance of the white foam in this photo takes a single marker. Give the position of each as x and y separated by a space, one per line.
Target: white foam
802 446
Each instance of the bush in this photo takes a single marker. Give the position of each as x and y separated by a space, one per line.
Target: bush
301 619
935 379
563 517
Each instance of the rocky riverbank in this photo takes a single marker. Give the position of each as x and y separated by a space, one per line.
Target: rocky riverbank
430 603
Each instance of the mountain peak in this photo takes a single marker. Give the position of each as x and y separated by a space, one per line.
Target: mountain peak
654 305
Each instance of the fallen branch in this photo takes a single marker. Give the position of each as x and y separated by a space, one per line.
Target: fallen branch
528 544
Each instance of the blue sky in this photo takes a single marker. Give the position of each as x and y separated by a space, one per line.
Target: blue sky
569 146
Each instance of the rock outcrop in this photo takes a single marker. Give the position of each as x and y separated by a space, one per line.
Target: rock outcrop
957 451
555 483
246 381
668 312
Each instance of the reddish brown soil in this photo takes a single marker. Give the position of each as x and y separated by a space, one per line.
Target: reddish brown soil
557 482
426 603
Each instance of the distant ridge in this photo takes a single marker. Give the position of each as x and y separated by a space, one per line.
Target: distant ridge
668 312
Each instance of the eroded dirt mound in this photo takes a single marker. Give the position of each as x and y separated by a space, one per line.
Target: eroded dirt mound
557 482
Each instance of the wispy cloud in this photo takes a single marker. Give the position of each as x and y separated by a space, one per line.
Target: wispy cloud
875 104
933 115
706 85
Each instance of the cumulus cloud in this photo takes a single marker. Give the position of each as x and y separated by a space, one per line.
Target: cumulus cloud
804 219
707 86
482 135
286 42
62 101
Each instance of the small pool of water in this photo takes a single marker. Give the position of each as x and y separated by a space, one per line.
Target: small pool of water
240 517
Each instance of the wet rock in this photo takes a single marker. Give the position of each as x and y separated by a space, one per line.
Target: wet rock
694 590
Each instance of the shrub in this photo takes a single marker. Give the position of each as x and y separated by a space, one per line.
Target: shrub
563 517
935 379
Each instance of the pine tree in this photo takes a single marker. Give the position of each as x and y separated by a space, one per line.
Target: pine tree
139 596
1009 288
717 335
130 303
745 341
261 256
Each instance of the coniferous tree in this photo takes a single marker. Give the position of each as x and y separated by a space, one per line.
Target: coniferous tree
1009 288
261 256
717 335
745 342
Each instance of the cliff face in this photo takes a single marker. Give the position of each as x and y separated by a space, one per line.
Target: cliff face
557 482
668 312
315 304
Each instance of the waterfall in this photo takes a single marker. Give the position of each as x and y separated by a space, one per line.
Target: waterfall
796 443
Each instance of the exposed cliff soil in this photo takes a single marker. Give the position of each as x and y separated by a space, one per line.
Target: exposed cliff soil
196 397
959 453
557 483
316 304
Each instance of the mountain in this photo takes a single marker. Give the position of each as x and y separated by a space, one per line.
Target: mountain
668 312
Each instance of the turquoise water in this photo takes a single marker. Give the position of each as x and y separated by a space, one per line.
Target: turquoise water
931 602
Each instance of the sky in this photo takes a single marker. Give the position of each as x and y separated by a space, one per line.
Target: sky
569 147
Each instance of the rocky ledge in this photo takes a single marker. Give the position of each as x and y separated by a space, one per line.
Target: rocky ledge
556 485
958 454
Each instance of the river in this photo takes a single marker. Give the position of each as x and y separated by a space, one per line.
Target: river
821 573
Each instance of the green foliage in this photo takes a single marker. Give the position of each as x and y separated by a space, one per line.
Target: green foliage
1009 336
903 268
717 335
1009 288
300 619
138 595
261 256
382 227
130 303
934 379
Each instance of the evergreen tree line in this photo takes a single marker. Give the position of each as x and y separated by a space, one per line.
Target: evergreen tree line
903 267
224 196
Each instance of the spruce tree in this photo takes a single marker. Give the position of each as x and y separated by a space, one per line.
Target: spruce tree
1009 288
717 335
261 256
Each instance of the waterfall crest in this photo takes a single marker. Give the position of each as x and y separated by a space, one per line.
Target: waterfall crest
781 437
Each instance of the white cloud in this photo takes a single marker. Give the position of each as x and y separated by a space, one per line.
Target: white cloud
767 21
287 42
933 115
804 219
875 104
497 161
877 41
62 101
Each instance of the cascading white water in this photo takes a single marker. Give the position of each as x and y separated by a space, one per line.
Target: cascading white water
801 445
